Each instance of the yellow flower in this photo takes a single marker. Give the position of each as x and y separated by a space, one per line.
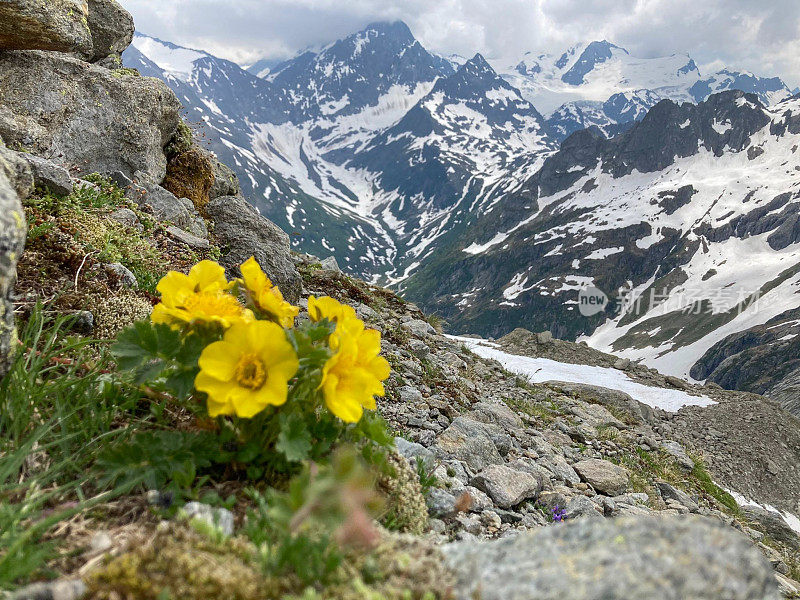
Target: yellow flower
266 296
328 308
248 370
353 376
201 296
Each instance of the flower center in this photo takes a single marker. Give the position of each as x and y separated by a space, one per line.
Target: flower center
251 372
212 303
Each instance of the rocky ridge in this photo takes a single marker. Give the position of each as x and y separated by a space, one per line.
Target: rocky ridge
511 460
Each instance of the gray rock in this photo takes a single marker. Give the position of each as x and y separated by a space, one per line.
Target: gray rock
419 327
605 477
773 525
467 440
82 322
479 501
17 170
608 398
505 486
669 492
166 207
614 559
55 105
581 506
111 27
63 589
676 451
187 238
622 364
226 183
127 217
496 414
558 466
122 274
409 394
441 503
12 240
35 25
243 233
544 337
49 175
411 451
330 264
221 518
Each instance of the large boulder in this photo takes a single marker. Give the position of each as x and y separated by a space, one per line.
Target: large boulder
12 240
468 440
111 27
59 25
242 232
85 115
605 477
615 559
506 487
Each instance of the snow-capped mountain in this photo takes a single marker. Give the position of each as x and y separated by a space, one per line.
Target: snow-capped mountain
375 150
602 84
370 149
694 213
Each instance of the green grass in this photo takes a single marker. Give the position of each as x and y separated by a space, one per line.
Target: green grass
58 408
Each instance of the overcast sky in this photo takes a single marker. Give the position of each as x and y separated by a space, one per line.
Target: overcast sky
762 36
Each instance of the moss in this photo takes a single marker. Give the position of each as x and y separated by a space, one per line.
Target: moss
190 174
406 510
181 140
179 563
117 311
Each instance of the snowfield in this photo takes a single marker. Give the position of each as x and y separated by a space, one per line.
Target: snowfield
538 370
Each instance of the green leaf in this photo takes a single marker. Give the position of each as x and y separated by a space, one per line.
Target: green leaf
294 440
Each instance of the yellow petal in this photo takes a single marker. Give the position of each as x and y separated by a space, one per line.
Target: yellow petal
208 276
174 287
218 360
218 394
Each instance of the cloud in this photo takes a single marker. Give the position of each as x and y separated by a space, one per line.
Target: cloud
762 37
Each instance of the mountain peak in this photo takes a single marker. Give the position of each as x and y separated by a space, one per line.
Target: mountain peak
478 66
396 29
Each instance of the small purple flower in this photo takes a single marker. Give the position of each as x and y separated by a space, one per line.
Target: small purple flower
559 514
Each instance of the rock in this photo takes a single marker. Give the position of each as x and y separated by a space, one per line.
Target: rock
111 27
243 233
581 506
676 382
506 487
330 264
187 238
17 170
676 451
411 451
558 466
544 337
668 492
166 207
419 327
122 274
773 525
622 364
82 322
221 518
479 501
605 477
226 183
441 503
101 542
608 398
614 559
787 587
127 217
63 589
497 414
12 239
467 440
55 105
49 175
35 25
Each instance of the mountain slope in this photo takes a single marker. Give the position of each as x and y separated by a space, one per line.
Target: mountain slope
696 204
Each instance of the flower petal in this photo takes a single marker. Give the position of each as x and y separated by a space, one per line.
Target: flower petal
218 360
208 276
